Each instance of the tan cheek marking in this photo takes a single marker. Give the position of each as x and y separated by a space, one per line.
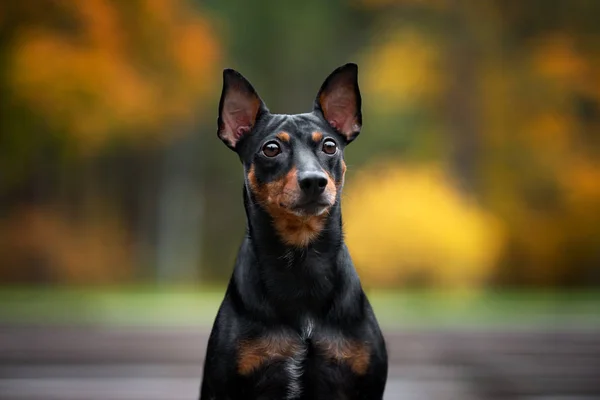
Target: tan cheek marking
254 353
252 180
276 193
317 136
357 355
283 136
266 193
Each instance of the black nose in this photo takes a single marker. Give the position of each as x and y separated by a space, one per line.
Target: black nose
312 183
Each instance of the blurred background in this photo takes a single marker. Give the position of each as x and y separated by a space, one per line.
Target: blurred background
471 205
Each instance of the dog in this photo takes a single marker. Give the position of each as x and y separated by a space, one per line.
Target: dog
294 322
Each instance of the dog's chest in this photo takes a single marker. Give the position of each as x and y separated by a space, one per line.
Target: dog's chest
300 363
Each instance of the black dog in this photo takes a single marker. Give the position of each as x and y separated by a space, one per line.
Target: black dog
295 322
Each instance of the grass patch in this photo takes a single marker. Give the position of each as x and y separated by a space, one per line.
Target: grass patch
177 307
487 309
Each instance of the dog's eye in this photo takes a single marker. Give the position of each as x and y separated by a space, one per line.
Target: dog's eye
271 149
329 146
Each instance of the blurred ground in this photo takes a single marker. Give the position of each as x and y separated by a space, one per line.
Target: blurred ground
152 363
144 344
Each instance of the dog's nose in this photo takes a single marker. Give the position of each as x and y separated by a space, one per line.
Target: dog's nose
312 183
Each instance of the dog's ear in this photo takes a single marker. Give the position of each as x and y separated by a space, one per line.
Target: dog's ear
339 101
239 108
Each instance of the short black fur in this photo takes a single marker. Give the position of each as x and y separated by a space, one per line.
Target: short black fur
294 322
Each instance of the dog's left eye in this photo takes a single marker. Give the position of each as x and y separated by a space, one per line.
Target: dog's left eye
329 146
271 149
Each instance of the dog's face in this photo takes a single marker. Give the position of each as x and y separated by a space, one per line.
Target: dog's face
294 163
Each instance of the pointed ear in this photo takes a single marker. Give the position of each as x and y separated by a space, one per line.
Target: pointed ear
239 108
339 101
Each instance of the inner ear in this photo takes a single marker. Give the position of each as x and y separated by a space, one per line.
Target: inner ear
340 102
239 108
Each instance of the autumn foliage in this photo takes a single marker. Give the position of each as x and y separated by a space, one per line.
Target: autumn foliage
531 102
78 78
110 68
478 163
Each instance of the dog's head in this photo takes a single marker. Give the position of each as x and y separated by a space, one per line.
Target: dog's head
294 163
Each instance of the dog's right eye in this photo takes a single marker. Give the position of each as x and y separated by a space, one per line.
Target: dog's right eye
271 149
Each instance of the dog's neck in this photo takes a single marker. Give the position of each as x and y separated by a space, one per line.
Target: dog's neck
294 281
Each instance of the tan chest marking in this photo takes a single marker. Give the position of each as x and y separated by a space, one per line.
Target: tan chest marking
354 353
253 353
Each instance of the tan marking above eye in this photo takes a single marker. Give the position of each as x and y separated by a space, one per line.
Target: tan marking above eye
283 136
253 353
317 136
354 353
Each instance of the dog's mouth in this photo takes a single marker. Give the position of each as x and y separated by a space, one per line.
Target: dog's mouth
310 208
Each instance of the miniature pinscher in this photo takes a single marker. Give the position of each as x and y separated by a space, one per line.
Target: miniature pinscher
294 322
